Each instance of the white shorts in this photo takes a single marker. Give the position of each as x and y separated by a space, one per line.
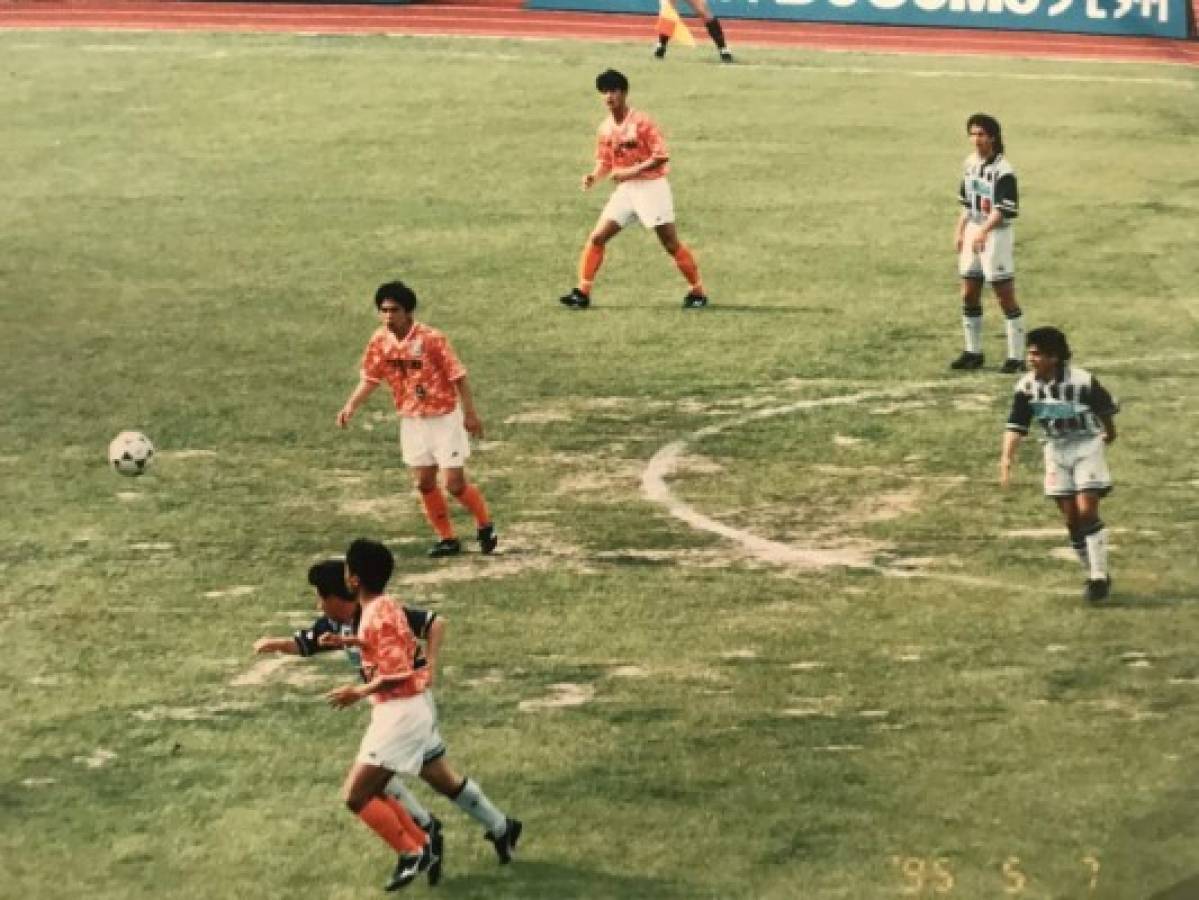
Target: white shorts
434 440
1074 466
403 735
649 202
996 262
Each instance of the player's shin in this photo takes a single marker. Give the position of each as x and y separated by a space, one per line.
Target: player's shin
472 498
589 264
1096 538
1078 543
415 808
1014 326
472 801
688 266
383 821
972 327
437 511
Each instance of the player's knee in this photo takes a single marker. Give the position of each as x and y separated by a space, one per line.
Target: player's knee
426 484
597 239
354 801
455 484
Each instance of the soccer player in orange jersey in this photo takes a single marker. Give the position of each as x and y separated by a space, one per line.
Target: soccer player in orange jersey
337 627
402 720
711 23
437 411
630 148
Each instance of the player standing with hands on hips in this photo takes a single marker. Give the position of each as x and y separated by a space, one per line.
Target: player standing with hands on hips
985 240
1075 414
630 148
436 407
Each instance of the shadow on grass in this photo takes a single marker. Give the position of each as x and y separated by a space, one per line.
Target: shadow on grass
1184 890
529 879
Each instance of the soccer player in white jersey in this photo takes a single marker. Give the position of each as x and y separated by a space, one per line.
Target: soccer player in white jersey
984 240
1075 414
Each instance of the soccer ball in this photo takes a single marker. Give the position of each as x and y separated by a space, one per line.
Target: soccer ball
130 453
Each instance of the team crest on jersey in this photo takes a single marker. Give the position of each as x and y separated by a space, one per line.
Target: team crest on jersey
416 348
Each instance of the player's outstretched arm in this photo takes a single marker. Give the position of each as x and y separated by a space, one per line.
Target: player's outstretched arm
356 399
276 645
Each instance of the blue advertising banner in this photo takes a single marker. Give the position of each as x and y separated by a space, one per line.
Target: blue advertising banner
1156 18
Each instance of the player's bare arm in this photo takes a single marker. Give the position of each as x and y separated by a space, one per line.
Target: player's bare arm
339 641
980 236
356 399
1011 443
1109 429
621 175
348 695
596 175
470 418
276 645
959 232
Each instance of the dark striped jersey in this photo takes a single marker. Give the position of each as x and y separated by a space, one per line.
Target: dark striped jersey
1066 408
308 640
988 184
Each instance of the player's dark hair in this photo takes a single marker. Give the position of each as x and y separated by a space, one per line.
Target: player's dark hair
371 562
1050 341
397 291
990 125
329 578
611 80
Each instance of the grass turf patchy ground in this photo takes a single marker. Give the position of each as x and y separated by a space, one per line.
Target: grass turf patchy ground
193 227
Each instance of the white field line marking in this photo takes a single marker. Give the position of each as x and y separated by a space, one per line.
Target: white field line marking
778 67
664 463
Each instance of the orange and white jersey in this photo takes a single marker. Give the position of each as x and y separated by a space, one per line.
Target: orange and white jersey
420 369
390 649
633 141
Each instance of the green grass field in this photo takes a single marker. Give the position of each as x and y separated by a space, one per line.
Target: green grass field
192 229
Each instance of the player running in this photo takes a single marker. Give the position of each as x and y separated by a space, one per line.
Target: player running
630 148
984 239
1075 414
711 23
341 617
436 408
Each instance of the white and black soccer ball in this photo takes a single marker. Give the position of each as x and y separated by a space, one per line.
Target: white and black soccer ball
130 453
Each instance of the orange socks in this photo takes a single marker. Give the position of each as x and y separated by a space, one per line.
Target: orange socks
438 513
690 269
472 498
414 831
389 824
589 263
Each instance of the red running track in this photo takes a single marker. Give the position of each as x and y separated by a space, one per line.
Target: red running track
505 18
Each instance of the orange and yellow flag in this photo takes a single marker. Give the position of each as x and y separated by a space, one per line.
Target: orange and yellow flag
671 26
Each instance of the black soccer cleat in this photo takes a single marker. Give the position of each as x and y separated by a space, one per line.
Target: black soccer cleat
576 299
447 547
505 844
408 866
1012 366
436 850
695 300
660 51
1097 589
726 55
488 539
968 361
